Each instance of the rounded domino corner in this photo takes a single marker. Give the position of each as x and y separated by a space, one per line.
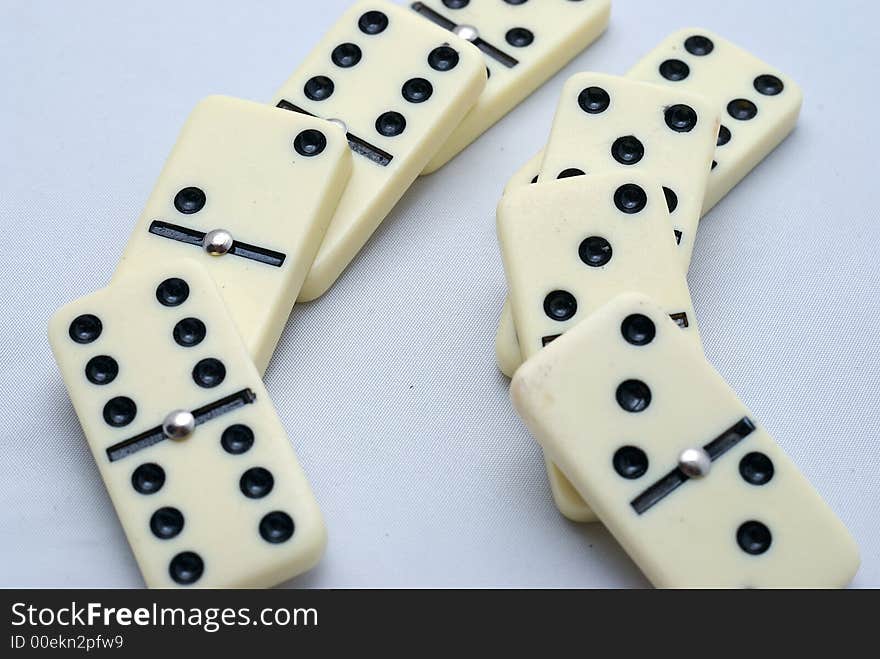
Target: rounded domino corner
566 498
507 354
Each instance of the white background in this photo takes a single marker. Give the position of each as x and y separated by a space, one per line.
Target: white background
387 384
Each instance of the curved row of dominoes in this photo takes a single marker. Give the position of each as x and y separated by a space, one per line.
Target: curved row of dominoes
260 206
599 333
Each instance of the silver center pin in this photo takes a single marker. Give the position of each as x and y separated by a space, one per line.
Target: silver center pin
467 32
180 424
695 462
217 242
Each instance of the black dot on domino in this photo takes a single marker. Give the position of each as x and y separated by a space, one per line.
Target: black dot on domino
638 330
443 58
209 373
536 177
769 85
681 118
756 468
594 100
373 23
630 199
753 537
166 523
346 55
256 483
237 439
85 329
319 88
633 396
674 70
190 200
148 478
189 332
458 4
391 124
310 143
567 173
742 109
699 45
417 90
723 136
628 150
595 251
520 37
172 292
276 527
630 462
186 568
671 199
119 411
102 370
560 306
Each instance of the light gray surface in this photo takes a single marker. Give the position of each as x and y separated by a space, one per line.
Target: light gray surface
388 384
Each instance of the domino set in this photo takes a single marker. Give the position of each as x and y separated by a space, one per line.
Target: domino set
599 333
260 206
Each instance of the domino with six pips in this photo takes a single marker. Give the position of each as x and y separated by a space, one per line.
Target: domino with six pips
163 365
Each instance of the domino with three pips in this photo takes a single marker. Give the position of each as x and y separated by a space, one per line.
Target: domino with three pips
259 206
599 333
